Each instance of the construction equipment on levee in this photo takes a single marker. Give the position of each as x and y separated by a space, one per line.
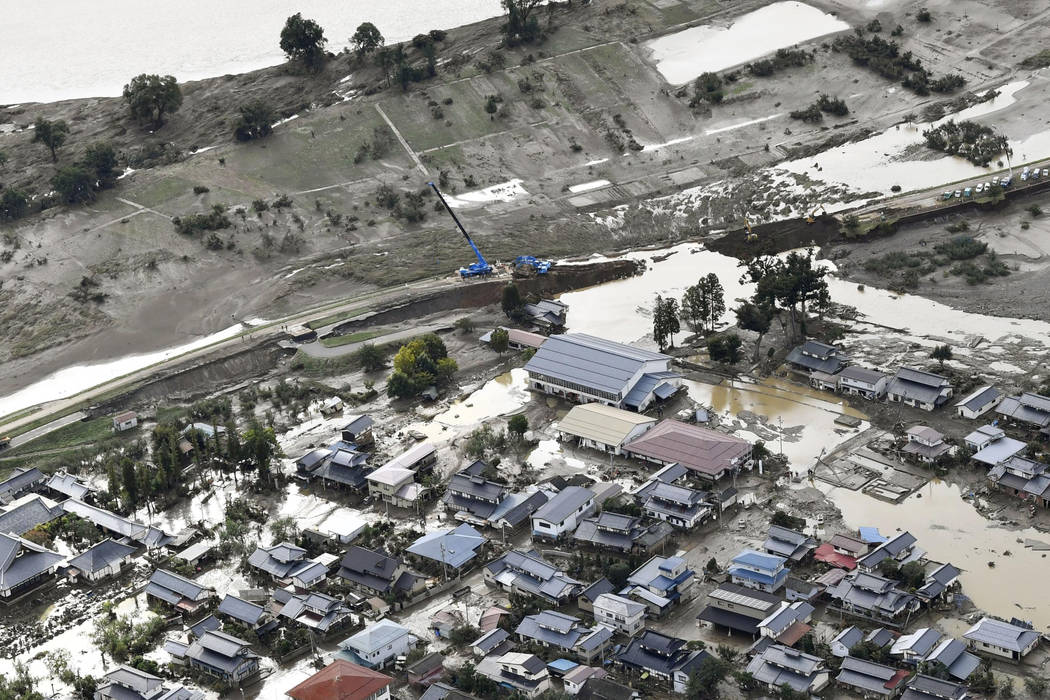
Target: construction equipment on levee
523 265
481 268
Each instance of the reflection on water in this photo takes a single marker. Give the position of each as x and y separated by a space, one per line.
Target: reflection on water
506 393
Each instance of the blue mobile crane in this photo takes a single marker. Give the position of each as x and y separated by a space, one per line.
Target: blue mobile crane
479 269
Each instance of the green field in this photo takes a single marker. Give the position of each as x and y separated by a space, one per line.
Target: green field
341 340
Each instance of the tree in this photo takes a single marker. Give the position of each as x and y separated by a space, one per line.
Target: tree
499 340
942 353
518 425
50 133
151 96
19 685
745 681
704 682
370 358
285 529
101 159
521 27
260 444
660 329
726 349
303 40
754 317
670 312
704 303
255 121
789 283
74 184
511 301
129 483
13 204
366 39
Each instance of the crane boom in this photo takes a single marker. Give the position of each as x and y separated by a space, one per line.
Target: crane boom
481 259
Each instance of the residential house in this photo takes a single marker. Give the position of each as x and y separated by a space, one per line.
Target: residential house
873 597
378 645
787 624
125 421
588 595
358 430
869 679
1022 477
707 453
680 506
790 544
517 339
129 683
925 444
420 459
991 446
586 369
288 565
813 356
343 680
341 465
473 498
24 566
951 655
880 637
622 534
223 656
517 673
900 547
601 688
619 613
979 402
496 641
563 512
565 633
148 536
861 381
737 610
844 641
661 583
573 680
914 647
453 550
209 623
939 585
106 558
379 574
764 572
841 551
1001 639
983 436
528 573
395 486
254 617
922 687
778 665
658 656
331 406
22 481
1029 409
316 611
444 691
517 508
184 595
65 484
28 513
914 387
601 427
426 670
547 314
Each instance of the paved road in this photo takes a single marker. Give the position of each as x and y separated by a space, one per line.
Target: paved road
316 349
54 425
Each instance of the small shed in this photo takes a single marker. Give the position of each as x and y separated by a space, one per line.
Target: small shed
125 421
331 406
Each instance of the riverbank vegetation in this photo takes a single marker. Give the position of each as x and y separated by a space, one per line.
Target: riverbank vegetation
975 142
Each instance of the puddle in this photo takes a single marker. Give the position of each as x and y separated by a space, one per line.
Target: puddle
588 186
740 125
503 192
951 530
505 394
684 55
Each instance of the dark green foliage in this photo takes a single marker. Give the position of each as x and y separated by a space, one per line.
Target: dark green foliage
74 184
924 16
192 224
151 96
941 353
790 283
874 26
725 349
810 114
832 105
518 425
522 27
757 318
1039 60
13 204
255 121
366 39
100 158
511 301
707 88
704 682
499 340
783 58
370 358
961 248
303 40
50 133
616 505
885 58
19 685
387 197
975 142
418 364
703 303
784 519
665 321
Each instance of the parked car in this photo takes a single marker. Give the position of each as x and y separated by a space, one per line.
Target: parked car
979 189
958 193
968 192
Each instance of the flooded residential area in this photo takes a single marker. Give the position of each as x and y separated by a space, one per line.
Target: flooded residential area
617 349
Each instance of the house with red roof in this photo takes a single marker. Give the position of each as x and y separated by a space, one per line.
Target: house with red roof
343 680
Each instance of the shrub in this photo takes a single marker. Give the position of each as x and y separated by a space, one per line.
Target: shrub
255 121
192 224
924 16
200 189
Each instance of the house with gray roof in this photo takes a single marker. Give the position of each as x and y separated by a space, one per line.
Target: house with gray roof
24 566
148 536
528 573
585 601
377 645
223 656
65 484
565 633
181 593
316 611
939 584
20 482
659 657
288 565
661 583
914 647
789 544
358 429
901 548
621 534
1028 408
518 673
677 505
493 641
925 444
129 683
621 614
208 624
779 665
915 387
788 623
1025 478
106 558
585 369
866 383
869 679
844 641
873 597
991 446
517 509
563 512
813 356
923 687
377 573
247 613
1001 639
978 402
951 654
473 498
27 513
737 610
547 314
602 688
604 428
454 549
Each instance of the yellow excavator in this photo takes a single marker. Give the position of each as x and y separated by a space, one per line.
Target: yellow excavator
819 211
751 235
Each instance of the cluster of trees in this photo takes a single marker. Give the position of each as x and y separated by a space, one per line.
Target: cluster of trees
975 142
419 364
522 27
665 321
885 58
783 58
786 286
703 304
707 88
815 112
76 182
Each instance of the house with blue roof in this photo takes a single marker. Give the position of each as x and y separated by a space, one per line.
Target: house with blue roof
661 583
452 550
377 645
763 572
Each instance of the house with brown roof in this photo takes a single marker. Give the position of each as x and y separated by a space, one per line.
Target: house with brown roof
707 453
343 680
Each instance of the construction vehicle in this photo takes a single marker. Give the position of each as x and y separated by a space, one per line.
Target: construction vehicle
751 235
819 211
5 442
481 268
527 266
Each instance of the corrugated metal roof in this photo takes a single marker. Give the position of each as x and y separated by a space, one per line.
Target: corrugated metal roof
602 424
700 449
592 362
